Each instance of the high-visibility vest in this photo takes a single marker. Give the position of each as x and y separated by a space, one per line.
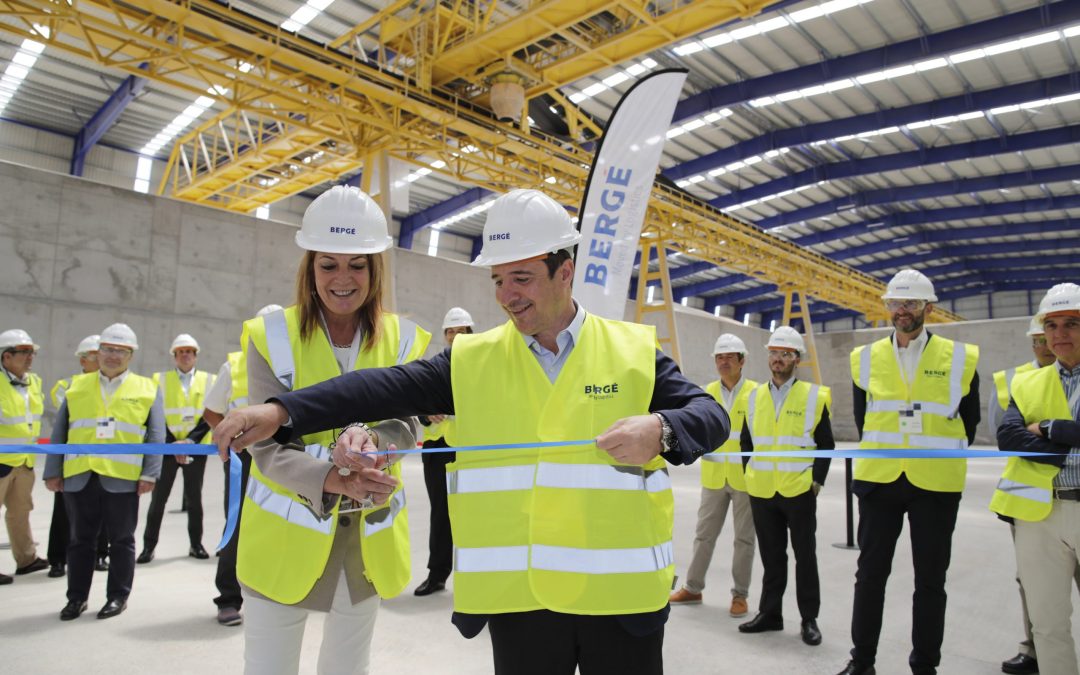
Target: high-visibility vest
720 468
58 392
1026 488
183 411
284 546
566 529
238 397
129 406
792 430
20 418
1003 381
443 430
942 378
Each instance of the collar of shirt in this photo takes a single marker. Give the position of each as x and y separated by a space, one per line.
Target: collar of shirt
908 357
23 381
109 386
1066 373
729 394
779 394
564 341
185 377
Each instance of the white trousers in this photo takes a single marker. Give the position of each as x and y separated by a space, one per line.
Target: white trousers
274 634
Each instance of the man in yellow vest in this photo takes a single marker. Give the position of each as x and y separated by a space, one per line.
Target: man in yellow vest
723 486
1042 494
229 391
182 389
1025 662
21 404
786 414
911 390
564 552
59 527
438 434
111 406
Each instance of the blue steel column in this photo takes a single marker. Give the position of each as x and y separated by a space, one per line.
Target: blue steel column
102 121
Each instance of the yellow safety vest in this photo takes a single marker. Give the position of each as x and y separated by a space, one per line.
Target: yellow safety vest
1003 381
567 529
443 430
129 407
238 398
719 468
1025 490
58 392
792 430
284 546
20 419
183 411
942 378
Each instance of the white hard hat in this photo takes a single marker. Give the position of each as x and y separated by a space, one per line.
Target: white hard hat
1035 328
268 309
729 344
344 220
523 224
456 318
90 343
184 340
786 337
910 285
1060 298
119 334
16 337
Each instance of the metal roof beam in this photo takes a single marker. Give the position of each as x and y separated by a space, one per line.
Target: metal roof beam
103 120
938 44
412 224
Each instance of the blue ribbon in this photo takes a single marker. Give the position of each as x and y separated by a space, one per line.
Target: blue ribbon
233 517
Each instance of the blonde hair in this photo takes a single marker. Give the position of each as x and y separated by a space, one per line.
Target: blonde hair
370 312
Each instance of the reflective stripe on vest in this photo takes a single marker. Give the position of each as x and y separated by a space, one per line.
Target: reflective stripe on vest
492 559
564 559
26 440
722 457
1023 491
601 477
20 419
127 427
285 507
490 479
915 440
380 519
769 465
948 410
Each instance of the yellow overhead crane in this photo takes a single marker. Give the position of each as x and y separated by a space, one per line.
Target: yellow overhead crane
302 113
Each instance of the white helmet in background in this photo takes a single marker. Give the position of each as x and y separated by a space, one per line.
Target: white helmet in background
184 340
269 309
1060 298
344 220
787 338
729 344
456 318
524 224
119 334
1035 328
16 337
90 343
910 285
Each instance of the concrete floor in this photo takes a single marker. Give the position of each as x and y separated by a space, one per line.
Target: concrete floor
169 626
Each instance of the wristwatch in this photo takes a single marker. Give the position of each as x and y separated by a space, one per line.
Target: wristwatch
1044 428
668 440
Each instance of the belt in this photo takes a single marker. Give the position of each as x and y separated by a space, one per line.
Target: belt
1071 494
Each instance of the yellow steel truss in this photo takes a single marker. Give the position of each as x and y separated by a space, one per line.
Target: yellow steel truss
292 100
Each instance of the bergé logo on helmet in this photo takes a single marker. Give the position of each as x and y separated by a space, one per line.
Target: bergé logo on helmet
342 230
499 235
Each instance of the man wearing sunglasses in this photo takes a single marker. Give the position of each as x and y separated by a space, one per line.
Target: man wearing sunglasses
911 390
21 402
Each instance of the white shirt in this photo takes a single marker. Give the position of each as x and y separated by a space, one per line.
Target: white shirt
109 387
729 394
779 394
908 357
217 397
185 380
551 362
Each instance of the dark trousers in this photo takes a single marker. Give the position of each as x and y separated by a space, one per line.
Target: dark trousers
60 533
89 510
774 518
550 643
227 585
440 542
193 480
932 517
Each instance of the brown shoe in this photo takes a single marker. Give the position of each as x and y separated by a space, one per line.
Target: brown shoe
738 607
685 597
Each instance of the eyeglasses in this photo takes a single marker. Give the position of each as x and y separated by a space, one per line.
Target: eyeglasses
1038 342
782 355
22 351
114 351
909 305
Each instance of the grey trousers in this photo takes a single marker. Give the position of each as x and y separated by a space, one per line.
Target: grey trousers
1027 646
711 515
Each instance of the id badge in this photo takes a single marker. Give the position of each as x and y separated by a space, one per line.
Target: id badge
188 416
106 428
911 420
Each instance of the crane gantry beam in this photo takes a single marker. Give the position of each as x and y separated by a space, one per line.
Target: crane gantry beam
292 98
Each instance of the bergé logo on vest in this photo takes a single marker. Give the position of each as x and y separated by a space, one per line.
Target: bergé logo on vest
934 373
794 413
599 392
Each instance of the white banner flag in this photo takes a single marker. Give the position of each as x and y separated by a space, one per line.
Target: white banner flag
618 190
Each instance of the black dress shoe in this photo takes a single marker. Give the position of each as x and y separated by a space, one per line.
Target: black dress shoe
854 668
429 586
198 552
6 579
146 556
1021 664
112 608
56 571
761 623
72 610
811 634
36 566
102 564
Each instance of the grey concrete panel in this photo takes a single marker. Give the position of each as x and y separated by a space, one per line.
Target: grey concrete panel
213 293
31 202
101 218
28 268
82 274
214 240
